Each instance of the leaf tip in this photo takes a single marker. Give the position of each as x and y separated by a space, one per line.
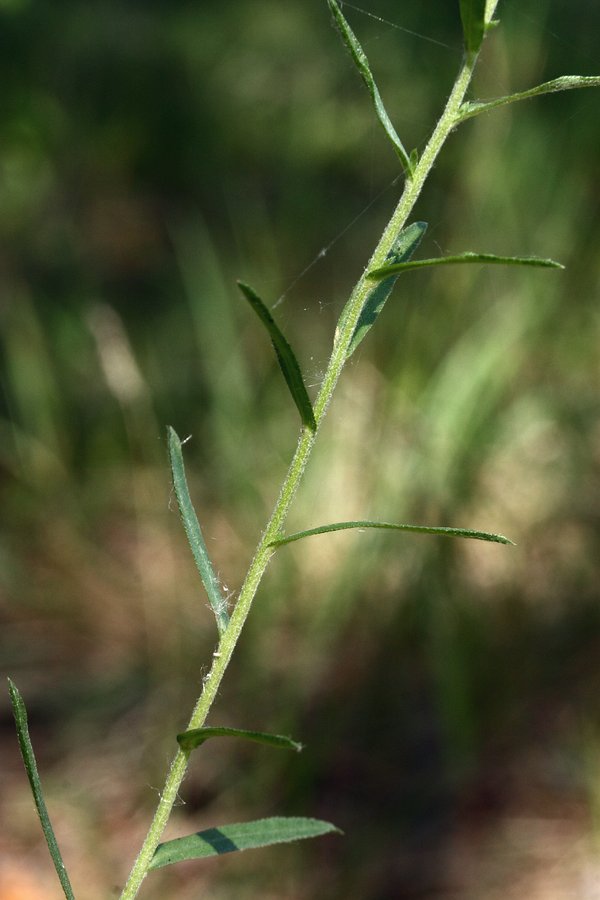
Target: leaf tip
15 696
246 290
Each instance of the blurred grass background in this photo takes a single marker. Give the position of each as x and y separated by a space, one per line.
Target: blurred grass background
447 693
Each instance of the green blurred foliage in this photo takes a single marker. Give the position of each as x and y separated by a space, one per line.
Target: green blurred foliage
150 154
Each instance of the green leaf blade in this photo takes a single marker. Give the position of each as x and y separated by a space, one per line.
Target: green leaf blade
285 356
20 714
469 257
406 244
361 62
472 14
241 836
472 108
194 533
189 740
440 530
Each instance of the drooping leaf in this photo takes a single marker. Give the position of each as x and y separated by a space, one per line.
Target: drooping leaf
564 83
407 242
472 14
362 64
417 529
189 740
194 533
285 356
242 836
20 714
468 257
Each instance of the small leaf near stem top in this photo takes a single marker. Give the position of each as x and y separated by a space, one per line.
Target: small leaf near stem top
362 64
285 356
472 108
461 258
194 533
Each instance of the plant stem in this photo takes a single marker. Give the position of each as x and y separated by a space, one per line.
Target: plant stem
306 441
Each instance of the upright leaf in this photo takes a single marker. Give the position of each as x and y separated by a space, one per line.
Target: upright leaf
285 356
407 242
20 714
194 533
472 14
242 836
362 64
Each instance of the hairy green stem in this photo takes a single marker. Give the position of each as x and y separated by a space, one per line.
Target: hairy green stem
306 441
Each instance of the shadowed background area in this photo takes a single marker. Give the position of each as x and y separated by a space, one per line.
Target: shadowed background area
447 692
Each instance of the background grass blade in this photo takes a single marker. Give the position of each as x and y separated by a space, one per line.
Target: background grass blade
417 529
194 533
406 244
468 257
286 357
20 714
564 83
472 14
189 740
362 64
242 836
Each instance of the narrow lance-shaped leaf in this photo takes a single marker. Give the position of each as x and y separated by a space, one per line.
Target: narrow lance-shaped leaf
194 533
285 356
416 529
564 83
362 64
468 257
20 714
242 836
472 14
189 740
407 242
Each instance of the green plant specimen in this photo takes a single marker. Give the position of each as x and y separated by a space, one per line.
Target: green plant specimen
391 257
